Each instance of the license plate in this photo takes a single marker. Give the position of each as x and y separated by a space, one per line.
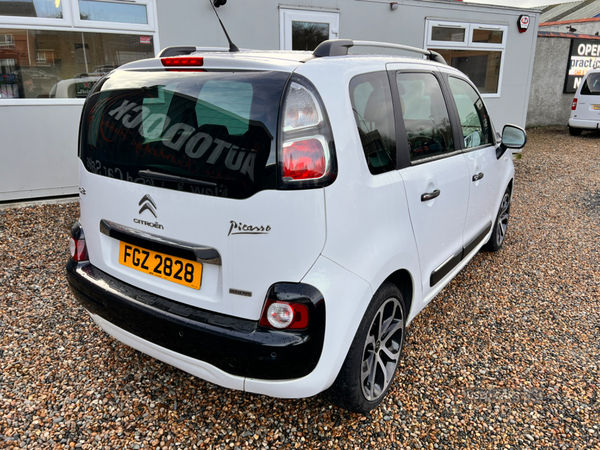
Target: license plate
171 268
596 107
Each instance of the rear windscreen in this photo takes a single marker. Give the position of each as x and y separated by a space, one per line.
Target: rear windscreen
591 86
211 133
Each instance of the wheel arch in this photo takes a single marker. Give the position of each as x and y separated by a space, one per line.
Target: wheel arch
403 280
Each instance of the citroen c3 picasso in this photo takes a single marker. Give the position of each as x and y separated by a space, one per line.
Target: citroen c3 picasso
272 221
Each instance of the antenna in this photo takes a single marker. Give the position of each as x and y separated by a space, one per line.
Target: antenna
232 46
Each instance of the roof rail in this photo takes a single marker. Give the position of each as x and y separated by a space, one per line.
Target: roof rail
339 47
182 50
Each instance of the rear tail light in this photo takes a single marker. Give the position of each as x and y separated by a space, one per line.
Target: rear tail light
284 315
306 152
304 159
77 245
574 105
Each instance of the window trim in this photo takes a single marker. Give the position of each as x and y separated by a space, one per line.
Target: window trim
468 43
149 4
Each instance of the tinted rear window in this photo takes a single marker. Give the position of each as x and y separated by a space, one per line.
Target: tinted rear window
591 86
215 130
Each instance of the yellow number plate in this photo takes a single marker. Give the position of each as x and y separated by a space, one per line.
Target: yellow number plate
595 106
171 268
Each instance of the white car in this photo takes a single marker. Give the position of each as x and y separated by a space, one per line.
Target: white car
585 109
272 221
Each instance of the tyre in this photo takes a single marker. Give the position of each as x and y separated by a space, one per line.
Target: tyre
370 366
500 225
575 131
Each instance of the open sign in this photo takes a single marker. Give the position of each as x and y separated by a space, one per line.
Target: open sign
523 23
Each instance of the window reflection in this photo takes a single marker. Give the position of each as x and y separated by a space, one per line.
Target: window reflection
112 12
49 9
308 35
62 64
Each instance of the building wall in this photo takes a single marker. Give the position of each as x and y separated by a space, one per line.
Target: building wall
548 105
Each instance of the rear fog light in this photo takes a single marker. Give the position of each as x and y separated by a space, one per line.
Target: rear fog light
77 245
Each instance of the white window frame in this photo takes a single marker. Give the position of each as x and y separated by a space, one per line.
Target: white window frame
468 44
35 22
289 15
149 4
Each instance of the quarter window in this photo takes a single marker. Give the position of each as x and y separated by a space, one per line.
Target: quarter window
426 119
474 119
372 105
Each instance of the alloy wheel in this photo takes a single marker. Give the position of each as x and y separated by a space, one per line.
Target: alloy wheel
382 349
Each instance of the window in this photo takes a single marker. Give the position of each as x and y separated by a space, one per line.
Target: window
474 119
591 85
474 49
112 12
50 63
305 30
6 40
373 112
51 9
425 115
216 129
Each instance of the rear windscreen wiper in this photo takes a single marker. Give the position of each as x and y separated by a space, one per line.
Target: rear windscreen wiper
167 177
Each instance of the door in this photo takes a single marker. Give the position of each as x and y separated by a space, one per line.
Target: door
305 30
436 182
480 154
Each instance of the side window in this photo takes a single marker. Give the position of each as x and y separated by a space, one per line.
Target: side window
372 105
474 119
425 115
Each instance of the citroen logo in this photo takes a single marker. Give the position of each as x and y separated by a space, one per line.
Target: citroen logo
147 203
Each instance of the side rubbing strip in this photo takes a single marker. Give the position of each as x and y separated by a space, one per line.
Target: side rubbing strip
443 270
477 239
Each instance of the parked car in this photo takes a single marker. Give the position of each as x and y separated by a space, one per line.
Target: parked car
77 87
585 109
272 221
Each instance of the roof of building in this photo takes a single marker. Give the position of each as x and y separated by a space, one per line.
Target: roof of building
559 34
570 12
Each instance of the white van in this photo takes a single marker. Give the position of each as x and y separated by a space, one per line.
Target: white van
272 221
585 109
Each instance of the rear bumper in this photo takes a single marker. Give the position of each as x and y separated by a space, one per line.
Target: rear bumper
584 124
228 347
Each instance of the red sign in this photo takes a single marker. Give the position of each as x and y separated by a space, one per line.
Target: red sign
145 39
523 23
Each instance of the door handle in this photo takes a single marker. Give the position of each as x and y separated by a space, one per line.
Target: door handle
430 195
478 176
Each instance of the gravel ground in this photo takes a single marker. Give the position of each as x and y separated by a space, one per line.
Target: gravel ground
507 356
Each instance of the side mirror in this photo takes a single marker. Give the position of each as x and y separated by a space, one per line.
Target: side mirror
513 137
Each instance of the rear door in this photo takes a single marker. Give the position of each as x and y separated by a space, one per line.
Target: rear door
179 167
435 175
477 140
